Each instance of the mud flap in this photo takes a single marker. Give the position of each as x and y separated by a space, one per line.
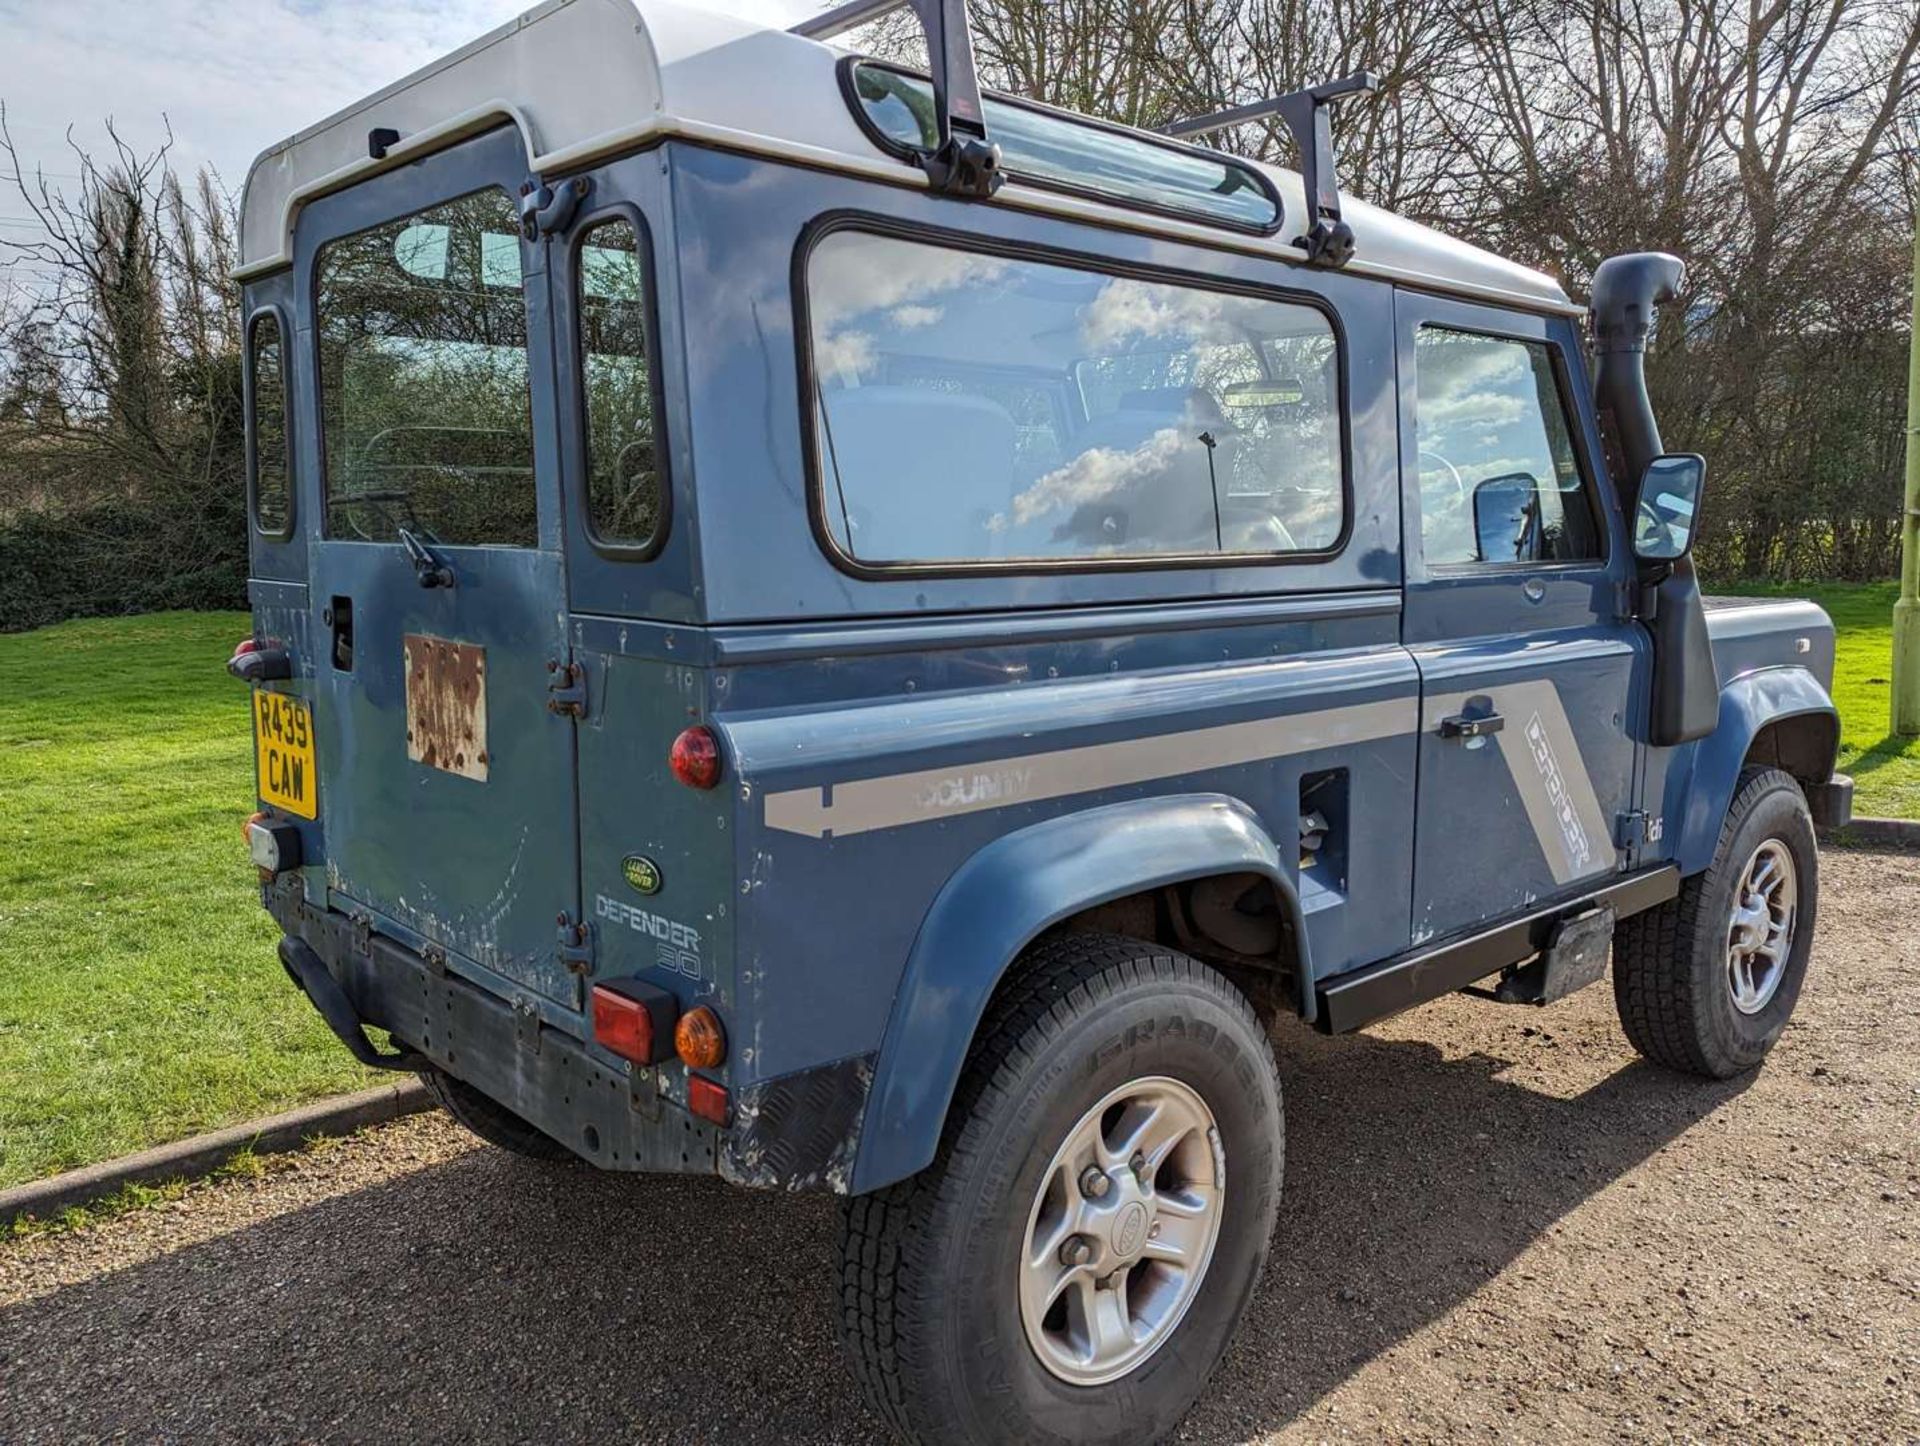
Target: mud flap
1575 957
305 968
1830 803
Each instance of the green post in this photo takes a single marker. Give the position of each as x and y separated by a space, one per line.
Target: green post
1906 612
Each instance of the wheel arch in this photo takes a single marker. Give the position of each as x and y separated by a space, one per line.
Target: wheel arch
1782 716
1001 899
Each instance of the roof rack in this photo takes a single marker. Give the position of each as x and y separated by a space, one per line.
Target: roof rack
1328 239
964 161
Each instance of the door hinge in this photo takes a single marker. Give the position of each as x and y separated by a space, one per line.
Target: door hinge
547 209
567 690
1636 827
575 944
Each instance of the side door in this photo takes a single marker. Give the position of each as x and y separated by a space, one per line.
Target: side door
447 785
1532 676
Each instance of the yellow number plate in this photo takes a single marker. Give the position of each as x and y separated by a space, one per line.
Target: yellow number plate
283 746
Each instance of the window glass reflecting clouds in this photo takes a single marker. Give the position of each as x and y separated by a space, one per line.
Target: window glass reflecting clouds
981 408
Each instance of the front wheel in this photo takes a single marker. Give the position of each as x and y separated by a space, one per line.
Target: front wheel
1706 982
1072 1265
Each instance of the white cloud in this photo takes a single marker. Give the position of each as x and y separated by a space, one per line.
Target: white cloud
857 278
1128 310
1097 475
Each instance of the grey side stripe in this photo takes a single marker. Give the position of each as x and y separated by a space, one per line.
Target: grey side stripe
864 804
1549 774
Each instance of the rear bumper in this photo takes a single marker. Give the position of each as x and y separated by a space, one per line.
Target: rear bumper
612 1118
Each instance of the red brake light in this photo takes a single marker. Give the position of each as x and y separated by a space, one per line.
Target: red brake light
696 758
707 1099
245 646
634 1020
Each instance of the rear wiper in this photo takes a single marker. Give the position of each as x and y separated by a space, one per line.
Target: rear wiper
428 566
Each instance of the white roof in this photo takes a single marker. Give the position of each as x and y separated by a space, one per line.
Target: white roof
583 79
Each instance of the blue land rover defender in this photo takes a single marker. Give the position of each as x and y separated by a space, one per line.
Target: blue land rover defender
816 625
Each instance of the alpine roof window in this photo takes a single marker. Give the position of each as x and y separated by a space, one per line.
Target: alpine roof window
1070 153
980 409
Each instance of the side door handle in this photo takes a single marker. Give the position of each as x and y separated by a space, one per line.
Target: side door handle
1471 725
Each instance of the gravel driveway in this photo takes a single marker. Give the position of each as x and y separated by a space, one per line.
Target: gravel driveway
1497 1223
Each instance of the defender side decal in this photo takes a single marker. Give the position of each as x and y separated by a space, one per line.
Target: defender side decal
864 804
1541 756
1548 773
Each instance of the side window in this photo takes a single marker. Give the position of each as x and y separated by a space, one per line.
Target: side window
271 472
977 408
625 500
1499 482
425 416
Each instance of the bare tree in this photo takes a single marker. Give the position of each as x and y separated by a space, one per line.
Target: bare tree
120 417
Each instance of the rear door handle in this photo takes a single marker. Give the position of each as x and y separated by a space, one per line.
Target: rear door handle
1471 725
339 617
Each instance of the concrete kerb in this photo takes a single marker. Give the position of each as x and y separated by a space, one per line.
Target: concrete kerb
203 1154
1894 833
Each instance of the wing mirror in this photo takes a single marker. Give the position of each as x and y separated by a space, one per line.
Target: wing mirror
1663 519
1506 518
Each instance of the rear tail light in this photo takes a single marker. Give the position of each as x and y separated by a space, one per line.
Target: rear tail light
699 1040
634 1020
695 758
707 1099
256 662
273 844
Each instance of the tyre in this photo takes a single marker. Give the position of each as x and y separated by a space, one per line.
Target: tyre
1706 982
494 1123
1072 1265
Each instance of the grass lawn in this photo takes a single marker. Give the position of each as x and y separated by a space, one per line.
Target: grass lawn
1886 770
140 999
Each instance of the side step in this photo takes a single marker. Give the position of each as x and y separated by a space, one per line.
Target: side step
1363 996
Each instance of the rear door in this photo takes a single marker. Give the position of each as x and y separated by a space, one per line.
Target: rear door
446 783
1532 679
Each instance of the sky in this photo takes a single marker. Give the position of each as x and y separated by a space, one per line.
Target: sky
229 76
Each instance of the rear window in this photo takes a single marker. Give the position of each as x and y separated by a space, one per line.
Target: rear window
269 471
626 504
425 415
1073 153
974 408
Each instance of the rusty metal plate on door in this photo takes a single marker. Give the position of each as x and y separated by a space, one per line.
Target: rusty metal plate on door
447 705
